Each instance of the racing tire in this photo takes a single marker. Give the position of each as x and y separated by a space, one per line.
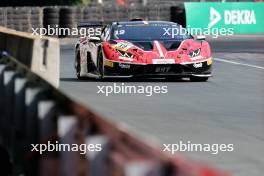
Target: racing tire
50 17
100 62
77 63
6 165
66 19
198 79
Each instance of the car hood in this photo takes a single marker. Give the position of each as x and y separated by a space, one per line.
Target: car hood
160 52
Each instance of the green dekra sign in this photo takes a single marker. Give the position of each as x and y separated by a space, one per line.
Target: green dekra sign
241 17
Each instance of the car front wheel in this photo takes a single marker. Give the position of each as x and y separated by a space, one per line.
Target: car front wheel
77 63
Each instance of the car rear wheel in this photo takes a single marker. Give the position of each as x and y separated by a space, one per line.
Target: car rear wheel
198 79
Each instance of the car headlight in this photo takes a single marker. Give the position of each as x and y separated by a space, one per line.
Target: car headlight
209 61
124 54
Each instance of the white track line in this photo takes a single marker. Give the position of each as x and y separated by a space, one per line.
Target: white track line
238 63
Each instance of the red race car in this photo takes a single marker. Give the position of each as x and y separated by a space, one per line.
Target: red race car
155 49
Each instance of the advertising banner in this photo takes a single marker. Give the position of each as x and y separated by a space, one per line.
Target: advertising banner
236 17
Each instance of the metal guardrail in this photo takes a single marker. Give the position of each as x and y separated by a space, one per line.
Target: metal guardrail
34 112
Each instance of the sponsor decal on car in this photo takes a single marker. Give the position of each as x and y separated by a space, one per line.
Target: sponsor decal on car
195 53
162 69
163 61
125 58
196 58
122 65
198 65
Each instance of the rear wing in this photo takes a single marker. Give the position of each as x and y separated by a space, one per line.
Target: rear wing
96 28
92 24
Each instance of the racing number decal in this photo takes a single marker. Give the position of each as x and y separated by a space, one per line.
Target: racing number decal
120 32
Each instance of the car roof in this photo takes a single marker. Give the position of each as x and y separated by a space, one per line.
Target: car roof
144 22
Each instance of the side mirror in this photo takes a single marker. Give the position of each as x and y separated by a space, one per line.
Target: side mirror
200 37
94 39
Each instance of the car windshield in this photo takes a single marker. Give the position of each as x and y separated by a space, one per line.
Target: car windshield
149 32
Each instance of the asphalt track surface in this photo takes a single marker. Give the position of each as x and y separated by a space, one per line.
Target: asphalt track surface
229 108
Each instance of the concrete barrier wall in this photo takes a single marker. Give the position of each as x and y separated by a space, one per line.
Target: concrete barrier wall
41 55
34 112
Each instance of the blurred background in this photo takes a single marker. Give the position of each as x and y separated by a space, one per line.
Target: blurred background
25 15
